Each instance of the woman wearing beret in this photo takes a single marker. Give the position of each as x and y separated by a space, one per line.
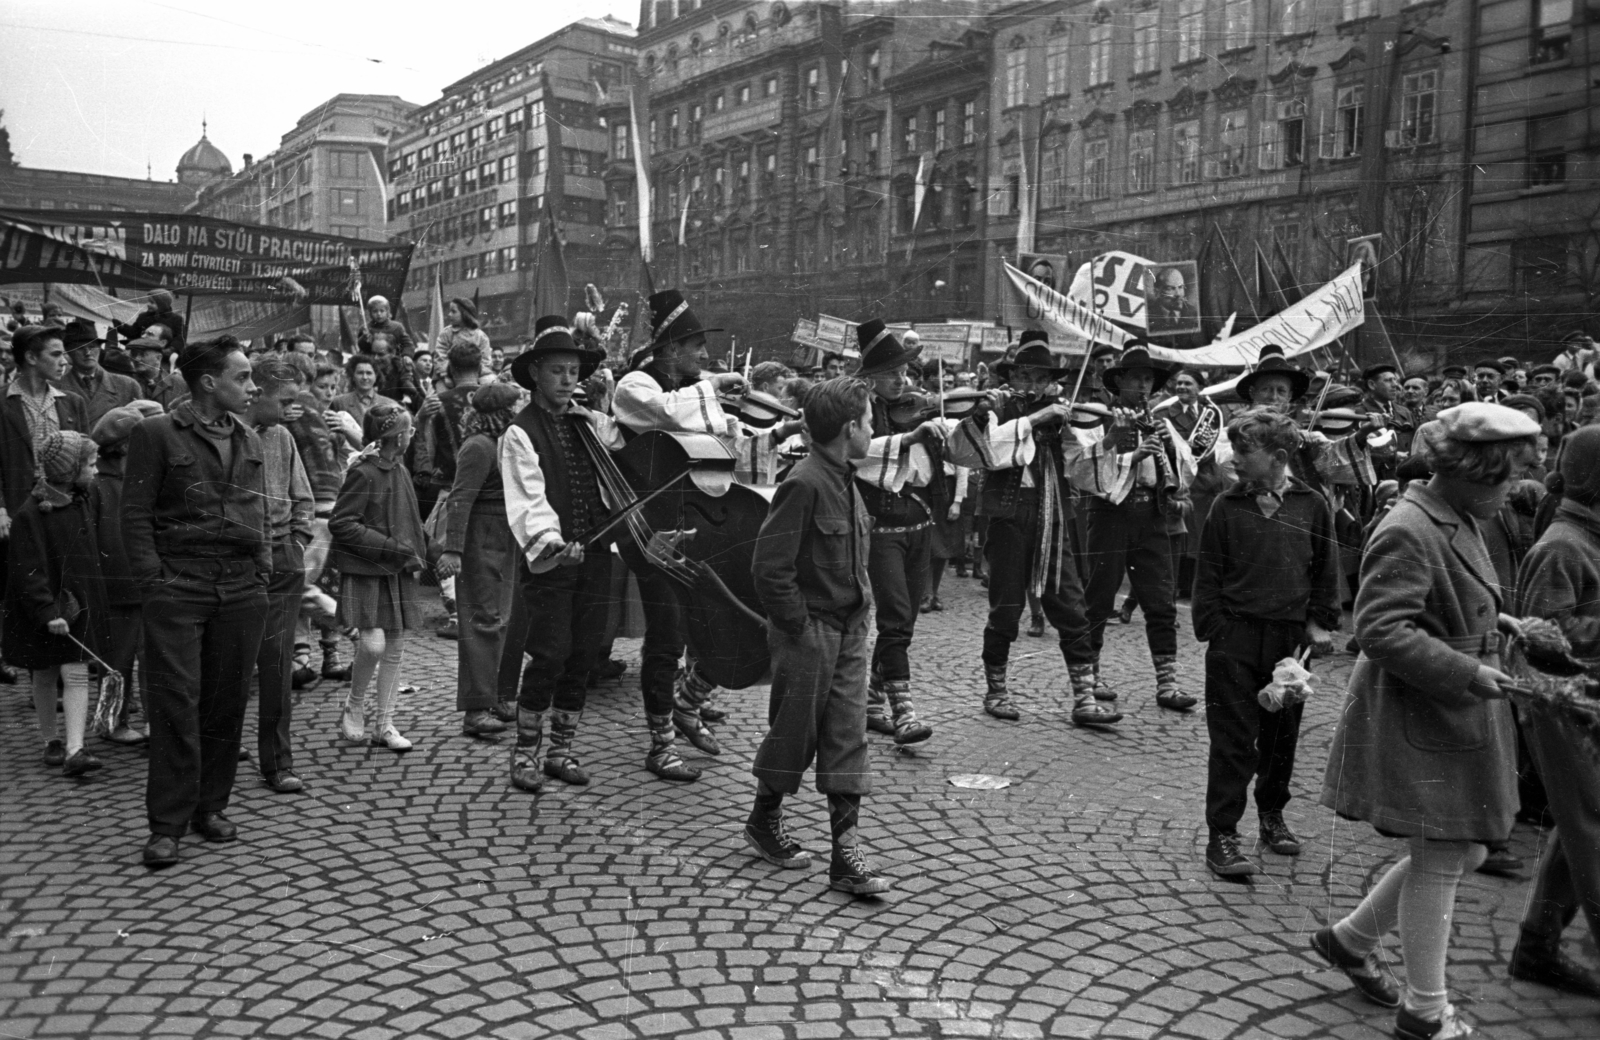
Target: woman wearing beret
1425 749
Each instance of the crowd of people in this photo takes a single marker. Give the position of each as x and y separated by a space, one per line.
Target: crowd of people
191 515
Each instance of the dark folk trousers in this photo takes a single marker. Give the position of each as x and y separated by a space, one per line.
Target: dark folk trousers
275 671
664 638
1247 739
817 710
201 637
1012 550
897 568
566 628
1131 539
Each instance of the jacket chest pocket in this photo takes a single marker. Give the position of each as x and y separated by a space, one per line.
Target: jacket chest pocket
830 543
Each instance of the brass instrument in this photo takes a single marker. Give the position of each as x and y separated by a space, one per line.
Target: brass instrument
1207 430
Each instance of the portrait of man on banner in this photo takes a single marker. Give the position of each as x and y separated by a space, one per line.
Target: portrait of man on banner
1172 299
1364 251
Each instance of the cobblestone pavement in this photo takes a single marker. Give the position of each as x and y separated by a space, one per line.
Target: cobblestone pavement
417 895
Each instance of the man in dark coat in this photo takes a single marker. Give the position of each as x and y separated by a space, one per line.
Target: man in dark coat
101 390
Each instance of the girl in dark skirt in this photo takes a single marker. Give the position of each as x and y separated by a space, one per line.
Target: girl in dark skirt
54 594
379 547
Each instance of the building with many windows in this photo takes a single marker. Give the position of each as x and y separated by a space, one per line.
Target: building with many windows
1257 136
480 175
1531 252
770 136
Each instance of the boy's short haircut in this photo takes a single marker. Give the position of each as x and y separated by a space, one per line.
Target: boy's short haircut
830 404
271 373
305 370
465 357
206 358
1263 428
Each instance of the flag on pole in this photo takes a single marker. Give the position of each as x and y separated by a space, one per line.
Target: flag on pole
550 284
436 314
1025 211
683 222
641 170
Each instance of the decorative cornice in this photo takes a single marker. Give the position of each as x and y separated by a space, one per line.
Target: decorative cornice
1097 116
1420 13
1355 26
1293 70
1186 101
1142 113
1233 88
1348 58
1144 79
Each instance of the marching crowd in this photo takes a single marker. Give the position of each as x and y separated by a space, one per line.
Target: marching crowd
191 515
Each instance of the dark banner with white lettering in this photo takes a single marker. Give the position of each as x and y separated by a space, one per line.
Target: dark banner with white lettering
192 254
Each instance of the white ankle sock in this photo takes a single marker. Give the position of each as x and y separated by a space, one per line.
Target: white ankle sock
75 703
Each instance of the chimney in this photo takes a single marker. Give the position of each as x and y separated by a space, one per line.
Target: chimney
247 160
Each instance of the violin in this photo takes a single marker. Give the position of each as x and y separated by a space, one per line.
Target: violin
757 409
916 407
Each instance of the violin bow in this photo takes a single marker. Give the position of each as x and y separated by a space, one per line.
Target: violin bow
605 526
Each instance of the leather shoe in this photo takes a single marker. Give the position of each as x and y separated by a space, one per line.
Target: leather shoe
160 851
284 781
213 826
1544 963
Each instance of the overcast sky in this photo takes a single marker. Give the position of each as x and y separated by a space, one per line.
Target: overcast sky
103 86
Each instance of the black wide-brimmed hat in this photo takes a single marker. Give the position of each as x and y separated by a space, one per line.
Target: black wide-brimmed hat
552 335
1032 354
1135 355
1271 361
671 320
881 350
80 332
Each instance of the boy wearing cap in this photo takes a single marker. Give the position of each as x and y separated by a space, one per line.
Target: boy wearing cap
1029 509
810 570
1266 584
1136 472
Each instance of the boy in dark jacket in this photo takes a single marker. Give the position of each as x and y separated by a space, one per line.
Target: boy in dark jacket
1266 584
810 571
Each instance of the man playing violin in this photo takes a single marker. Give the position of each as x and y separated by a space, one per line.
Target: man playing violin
1028 504
1136 472
896 484
664 391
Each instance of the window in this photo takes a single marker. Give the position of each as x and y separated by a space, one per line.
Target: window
1235 138
939 140
508 214
769 87
1097 169
1186 153
458 142
488 173
1055 66
812 95
471 266
813 164
496 128
719 101
1349 119
743 184
872 149
1418 101
1236 23
353 209
1286 240
515 119
305 170
1350 10
1141 161
1552 29
908 135
672 129
535 160
1053 177
506 260
969 122
1547 150
655 135
744 94
474 135
1099 53
485 219
347 165
1013 196
1283 135
874 68
1191 28
346 202
536 113
1293 16
769 172
1146 42
696 117
1016 81
469 180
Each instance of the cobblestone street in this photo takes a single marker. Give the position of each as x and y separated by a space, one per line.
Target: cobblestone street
418 895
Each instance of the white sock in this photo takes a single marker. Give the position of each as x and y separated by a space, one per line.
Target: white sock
1377 915
1427 905
369 648
389 677
75 703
